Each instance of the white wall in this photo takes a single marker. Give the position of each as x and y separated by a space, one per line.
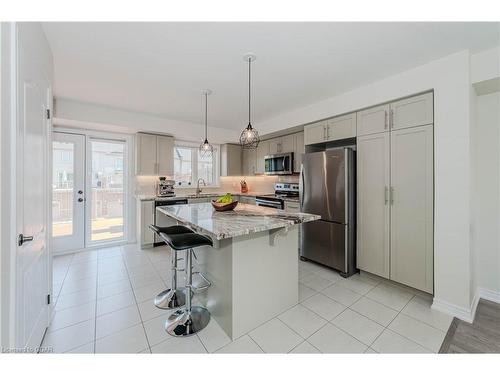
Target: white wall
95 117
485 142
449 77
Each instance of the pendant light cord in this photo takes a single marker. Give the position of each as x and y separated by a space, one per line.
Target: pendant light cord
249 96
206 114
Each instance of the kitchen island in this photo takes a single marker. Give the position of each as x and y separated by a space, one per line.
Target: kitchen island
253 265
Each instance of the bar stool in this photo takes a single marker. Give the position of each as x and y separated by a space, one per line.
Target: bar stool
173 297
190 319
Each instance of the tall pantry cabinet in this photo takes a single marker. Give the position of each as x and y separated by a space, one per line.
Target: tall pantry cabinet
395 191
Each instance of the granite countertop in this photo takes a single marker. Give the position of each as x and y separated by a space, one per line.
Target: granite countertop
146 197
244 219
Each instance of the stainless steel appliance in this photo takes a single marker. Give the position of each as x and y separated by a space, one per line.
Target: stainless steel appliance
163 220
327 188
282 191
279 163
165 188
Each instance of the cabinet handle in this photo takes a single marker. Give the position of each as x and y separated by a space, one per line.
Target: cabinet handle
392 195
327 132
386 195
391 118
324 132
385 120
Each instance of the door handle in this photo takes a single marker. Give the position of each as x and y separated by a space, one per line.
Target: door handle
21 239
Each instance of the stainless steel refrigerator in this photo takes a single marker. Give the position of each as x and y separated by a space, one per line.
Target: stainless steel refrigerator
327 188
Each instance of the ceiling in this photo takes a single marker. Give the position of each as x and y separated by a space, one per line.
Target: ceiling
161 68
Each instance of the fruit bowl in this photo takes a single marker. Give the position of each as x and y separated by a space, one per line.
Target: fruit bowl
224 206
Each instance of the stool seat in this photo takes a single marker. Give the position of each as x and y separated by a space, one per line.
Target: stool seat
185 241
174 229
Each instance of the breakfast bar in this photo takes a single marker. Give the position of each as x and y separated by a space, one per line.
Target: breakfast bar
253 265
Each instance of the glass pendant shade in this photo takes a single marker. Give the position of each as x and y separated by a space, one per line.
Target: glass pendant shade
206 150
249 138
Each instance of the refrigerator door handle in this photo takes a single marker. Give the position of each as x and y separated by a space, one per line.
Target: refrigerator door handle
301 186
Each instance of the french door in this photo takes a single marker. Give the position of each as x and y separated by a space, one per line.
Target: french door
88 195
68 187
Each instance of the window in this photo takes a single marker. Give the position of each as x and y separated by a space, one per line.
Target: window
189 166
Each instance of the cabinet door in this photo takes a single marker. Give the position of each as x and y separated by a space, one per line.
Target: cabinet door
287 143
373 171
341 127
298 152
165 155
274 146
146 155
147 217
262 151
293 207
249 161
315 133
230 160
415 111
373 120
412 207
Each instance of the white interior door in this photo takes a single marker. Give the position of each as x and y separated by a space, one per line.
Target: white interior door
32 255
68 191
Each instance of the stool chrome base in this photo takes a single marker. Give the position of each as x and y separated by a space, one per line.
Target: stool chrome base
171 299
184 323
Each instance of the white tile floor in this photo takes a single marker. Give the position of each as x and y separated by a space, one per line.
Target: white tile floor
103 304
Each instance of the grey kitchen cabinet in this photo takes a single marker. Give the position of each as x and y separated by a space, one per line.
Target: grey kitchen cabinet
247 199
412 207
293 207
282 144
154 155
249 162
415 111
230 160
298 152
373 209
373 120
315 133
146 212
262 151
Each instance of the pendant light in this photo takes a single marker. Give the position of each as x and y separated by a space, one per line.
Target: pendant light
249 138
206 149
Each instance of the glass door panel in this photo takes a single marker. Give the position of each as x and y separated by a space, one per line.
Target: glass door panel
68 161
107 190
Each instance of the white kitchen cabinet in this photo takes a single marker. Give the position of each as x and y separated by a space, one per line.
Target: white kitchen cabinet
146 154
154 155
146 210
249 162
341 127
262 151
298 152
230 160
315 133
373 120
415 111
165 155
412 207
373 210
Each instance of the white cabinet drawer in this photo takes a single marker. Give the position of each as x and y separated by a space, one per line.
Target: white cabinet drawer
373 120
341 127
414 111
315 133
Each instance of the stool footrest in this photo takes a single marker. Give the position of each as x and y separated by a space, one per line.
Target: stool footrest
207 285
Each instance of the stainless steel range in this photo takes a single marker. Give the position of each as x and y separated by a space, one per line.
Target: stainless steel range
282 192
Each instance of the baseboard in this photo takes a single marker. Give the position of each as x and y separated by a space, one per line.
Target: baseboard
489 295
465 314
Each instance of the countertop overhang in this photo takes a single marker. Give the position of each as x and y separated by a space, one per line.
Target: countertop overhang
244 219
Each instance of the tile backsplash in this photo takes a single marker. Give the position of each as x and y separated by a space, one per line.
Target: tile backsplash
146 185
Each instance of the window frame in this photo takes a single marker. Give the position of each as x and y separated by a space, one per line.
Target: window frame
194 164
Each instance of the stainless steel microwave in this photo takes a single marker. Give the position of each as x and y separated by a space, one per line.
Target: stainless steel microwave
279 163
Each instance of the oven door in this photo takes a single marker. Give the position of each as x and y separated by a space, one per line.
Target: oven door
269 203
279 163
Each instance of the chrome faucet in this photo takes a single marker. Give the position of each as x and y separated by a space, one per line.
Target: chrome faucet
198 190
